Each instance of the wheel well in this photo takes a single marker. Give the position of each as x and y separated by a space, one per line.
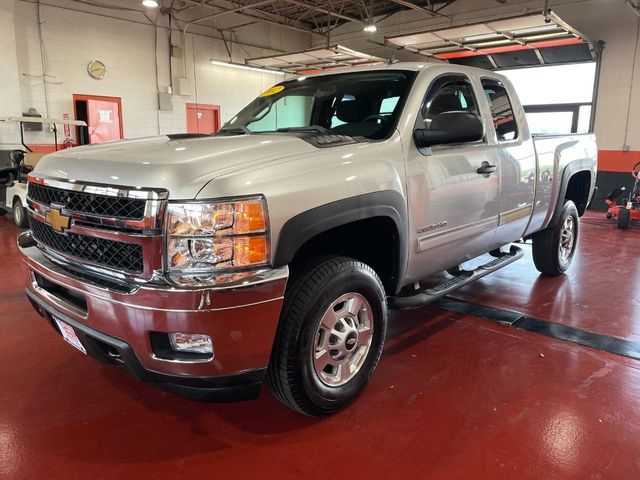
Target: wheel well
578 190
374 241
13 201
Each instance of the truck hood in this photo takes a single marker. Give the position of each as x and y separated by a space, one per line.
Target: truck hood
181 166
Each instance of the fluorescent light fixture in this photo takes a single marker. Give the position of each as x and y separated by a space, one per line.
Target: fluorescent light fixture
150 3
244 67
370 28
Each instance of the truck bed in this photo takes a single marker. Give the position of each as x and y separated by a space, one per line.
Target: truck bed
555 154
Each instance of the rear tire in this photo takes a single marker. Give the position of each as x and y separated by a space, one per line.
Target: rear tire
555 247
19 214
624 218
335 311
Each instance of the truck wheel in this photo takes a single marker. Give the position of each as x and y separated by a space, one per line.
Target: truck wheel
19 214
624 218
329 337
554 248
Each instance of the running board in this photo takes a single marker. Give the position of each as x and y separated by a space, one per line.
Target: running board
465 277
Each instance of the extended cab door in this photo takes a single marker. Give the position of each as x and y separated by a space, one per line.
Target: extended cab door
516 157
453 207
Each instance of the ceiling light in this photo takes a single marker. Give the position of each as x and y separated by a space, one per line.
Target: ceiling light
370 28
244 67
150 3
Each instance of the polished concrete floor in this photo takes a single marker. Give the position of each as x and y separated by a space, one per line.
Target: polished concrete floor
454 397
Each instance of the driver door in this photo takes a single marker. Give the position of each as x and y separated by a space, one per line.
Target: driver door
453 208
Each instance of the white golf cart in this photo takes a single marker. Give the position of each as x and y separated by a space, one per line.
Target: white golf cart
13 176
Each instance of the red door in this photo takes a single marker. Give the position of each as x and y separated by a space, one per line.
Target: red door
203 118
104 121
103 116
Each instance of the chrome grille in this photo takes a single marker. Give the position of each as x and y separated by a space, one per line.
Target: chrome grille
113 232
88 203
126 257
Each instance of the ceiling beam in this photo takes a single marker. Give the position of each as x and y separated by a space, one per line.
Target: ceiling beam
417 8
227 11
325 11
244 13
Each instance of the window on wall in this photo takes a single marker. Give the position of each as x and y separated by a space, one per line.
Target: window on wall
504 120
557 99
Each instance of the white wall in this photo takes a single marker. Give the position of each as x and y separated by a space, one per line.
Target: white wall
73 39
9 85
615 23
231 88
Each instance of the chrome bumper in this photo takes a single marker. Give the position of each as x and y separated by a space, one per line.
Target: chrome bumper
241 320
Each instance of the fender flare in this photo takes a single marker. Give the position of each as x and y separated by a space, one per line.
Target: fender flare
568 172
301 228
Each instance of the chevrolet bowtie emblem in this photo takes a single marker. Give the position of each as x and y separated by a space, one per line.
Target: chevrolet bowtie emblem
58 222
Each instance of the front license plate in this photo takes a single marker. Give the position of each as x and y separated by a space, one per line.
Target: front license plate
69 335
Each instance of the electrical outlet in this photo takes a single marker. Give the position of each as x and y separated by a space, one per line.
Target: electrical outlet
625 148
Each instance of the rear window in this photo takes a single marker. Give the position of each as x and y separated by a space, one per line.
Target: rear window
504 120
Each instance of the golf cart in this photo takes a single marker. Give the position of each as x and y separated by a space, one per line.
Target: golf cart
629 209
13 175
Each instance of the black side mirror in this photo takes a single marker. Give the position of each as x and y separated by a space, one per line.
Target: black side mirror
450 127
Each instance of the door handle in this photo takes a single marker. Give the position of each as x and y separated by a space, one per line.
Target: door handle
486 168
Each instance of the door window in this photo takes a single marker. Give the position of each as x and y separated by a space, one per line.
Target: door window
504 120
449 94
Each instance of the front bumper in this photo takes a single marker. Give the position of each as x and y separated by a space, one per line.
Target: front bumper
115 326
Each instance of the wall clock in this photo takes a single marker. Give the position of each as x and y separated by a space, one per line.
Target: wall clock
96 69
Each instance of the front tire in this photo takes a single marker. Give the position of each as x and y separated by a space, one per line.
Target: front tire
555 247
624 218
330 336
19 214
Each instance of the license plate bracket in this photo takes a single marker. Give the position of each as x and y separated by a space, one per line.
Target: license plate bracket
69 335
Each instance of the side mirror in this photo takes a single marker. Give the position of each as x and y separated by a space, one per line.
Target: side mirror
17 157
450 127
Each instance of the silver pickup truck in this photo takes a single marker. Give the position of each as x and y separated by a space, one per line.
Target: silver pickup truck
272 249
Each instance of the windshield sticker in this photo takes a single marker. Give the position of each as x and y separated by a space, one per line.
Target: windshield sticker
272 91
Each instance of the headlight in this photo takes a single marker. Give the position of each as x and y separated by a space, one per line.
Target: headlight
214 242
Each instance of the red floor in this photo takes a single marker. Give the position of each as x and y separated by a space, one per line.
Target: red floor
454 397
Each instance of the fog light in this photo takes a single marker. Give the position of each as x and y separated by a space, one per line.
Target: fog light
191 343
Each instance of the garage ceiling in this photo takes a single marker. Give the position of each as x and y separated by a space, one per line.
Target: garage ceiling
308 61
306 15
519 41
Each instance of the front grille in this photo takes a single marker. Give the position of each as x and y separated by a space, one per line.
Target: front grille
88 203
118 287
99 251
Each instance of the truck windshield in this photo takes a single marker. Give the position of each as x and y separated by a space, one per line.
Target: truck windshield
360 104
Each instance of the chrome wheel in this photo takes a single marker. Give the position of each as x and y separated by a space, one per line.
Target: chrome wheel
17 213
567 238
343 339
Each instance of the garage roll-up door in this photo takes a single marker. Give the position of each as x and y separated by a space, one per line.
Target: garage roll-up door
520 41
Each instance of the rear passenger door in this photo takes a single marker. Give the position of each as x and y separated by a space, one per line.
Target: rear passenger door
453 208
517 161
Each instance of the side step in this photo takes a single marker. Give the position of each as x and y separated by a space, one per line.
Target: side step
465 277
